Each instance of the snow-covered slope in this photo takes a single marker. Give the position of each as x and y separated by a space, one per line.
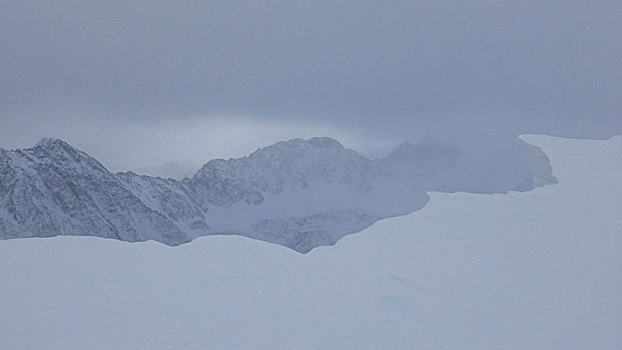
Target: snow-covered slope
54 189
287 165
309 193
298 193
531 270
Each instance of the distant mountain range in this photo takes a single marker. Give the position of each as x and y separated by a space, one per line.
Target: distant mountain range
298 193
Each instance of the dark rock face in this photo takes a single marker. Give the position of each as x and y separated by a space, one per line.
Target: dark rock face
298 193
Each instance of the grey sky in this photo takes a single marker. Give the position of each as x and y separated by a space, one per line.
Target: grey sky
108 75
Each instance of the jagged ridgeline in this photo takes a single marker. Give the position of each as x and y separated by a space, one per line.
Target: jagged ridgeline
298 193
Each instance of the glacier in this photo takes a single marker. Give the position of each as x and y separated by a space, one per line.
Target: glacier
522 270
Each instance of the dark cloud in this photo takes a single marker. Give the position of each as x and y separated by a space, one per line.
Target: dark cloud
381 68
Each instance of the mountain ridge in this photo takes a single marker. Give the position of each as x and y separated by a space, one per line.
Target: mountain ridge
297 193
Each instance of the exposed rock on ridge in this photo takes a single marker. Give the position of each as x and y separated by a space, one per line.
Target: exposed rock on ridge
297 193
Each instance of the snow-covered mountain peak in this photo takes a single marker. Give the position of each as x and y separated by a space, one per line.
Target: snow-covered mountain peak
55 189
49 142
49 145
297 193
299 147
286 165
325 142
58 153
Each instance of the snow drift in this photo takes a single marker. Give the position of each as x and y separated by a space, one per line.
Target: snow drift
530 270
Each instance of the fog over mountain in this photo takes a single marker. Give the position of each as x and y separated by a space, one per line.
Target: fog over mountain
313 174
298 193
143 83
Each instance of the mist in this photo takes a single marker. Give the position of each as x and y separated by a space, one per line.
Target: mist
145 82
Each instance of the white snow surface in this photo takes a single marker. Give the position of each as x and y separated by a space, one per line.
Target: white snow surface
524 270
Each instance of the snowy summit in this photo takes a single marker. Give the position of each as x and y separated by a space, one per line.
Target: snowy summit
298 193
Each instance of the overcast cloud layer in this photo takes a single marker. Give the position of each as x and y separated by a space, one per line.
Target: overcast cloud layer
111 75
